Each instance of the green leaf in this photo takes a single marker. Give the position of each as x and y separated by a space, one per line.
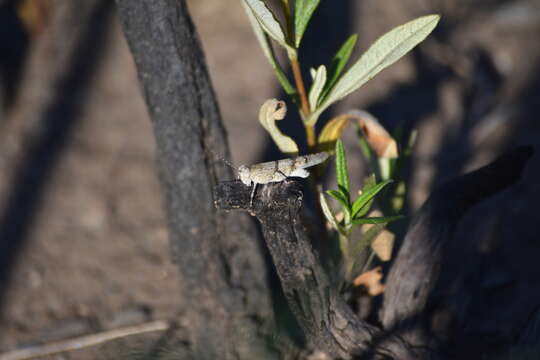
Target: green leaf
385 51
271 111
268 51
338 63
268 21
360 206
376 220
319 79
303 10
340 197
342 173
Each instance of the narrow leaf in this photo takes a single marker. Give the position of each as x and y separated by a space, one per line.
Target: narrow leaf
338 63
268 21
359 207
377 220
303 10
340 197
388 49
271 111
268 51
316 88
342 173
327 212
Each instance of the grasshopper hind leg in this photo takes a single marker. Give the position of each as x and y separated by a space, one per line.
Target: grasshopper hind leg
252 194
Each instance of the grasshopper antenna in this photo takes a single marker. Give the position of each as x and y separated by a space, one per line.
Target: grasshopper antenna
223 159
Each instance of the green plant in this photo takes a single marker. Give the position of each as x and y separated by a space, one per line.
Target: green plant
330 84
353 213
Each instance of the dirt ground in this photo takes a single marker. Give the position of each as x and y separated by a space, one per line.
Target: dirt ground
96 254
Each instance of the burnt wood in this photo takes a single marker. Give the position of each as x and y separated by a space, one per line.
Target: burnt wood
328 322
416 268
223 293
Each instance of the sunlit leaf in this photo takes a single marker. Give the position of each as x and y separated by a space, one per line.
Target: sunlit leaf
271 111
359 206
319 79
303 10
268 21
386 50
332 131
382 143
342 173
383 245
268 51
338 63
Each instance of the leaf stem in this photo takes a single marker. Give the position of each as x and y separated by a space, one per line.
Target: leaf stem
295 66
310 129
310 136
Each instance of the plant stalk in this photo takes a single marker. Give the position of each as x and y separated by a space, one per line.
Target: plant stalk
310 129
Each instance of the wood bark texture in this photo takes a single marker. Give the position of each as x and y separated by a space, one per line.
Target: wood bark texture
328 322
225 301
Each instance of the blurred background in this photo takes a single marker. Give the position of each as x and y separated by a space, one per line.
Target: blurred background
83 242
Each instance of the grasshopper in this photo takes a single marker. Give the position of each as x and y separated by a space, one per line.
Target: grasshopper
278 170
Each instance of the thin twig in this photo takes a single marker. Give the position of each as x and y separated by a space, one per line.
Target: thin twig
83 341
295 66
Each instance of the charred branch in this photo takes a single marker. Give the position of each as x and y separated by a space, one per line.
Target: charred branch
416 268
328 322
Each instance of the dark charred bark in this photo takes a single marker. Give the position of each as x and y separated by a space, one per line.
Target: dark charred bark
224 301
327 320
416 268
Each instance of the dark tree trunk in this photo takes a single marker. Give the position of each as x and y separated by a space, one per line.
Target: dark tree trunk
225 301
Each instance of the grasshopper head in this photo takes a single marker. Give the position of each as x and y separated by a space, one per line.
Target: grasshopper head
244 175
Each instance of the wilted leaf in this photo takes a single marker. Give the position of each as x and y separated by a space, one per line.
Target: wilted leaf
371 280
386 50
303 10
34 14
376 135
319 79
268 51
271 111
383 245
268 21
332 131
